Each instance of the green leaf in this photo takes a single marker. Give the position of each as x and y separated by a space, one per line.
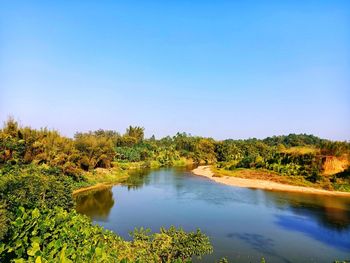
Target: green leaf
36 213
46 235
63 258
33 249
21 208
2 248
18 222
98 251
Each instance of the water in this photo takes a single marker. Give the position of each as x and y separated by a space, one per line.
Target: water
244 225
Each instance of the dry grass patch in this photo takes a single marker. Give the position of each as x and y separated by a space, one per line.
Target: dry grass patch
301 150
261 174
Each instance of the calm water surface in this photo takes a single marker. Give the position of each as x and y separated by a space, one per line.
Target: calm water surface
243 224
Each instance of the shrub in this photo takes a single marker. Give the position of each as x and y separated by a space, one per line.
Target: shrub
59 236
56 235
35 189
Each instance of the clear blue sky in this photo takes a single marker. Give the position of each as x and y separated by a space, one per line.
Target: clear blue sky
224 69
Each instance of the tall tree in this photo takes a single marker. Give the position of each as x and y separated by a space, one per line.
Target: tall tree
136 132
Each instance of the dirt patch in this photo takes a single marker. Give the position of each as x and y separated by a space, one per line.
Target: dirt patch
332 164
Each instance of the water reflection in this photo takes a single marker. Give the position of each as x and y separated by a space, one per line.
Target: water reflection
96 204
260 243
138 179
310 229
330 212
241 222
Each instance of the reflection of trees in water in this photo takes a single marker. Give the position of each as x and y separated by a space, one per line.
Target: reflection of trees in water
96 204
141 177
332 218
330 212
137 179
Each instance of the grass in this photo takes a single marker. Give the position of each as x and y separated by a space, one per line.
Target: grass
262 174
90 189
101 178
112 175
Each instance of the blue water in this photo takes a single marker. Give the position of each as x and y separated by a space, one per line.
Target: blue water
244 225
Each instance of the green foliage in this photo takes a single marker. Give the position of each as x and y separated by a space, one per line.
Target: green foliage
167 156
334 148
293 140
95 150
4 219
20 146
308 165
140 152
171 244
59 236
205 150
56 235
32 188
135 132
341 181
39 168
256 154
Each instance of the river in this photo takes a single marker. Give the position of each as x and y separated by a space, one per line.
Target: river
243 224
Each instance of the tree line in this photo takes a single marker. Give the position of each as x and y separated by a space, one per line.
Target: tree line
99 149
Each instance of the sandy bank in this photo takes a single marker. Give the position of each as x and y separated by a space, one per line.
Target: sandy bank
262 184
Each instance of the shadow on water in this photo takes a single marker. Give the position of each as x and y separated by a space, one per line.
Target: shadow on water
96 204
322 218
310 229
260 243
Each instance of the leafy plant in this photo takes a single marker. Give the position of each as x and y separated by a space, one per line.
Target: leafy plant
56 235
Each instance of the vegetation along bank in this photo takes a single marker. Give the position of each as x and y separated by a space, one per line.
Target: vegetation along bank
40 169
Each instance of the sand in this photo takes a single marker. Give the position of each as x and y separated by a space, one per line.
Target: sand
262 184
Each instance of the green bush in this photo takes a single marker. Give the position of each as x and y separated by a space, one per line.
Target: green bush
56 235
35 189
4 220
171 244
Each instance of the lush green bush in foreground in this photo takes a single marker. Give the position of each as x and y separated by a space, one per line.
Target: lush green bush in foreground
56 235
59 236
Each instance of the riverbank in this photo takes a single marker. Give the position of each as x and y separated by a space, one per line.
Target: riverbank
262 184
99 186
101 178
